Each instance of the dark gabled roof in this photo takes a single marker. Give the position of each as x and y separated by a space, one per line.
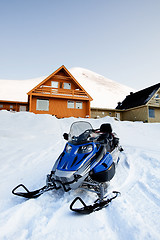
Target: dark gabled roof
138 98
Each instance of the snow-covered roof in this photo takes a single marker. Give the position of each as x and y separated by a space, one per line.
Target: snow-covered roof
105 92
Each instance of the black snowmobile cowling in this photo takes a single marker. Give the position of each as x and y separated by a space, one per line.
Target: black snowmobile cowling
88 161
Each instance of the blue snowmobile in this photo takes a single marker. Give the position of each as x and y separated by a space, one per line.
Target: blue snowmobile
88 161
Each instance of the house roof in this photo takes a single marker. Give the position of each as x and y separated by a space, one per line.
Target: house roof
67 73
138 98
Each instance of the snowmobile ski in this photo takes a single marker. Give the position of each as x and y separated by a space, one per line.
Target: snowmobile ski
87 209
31 194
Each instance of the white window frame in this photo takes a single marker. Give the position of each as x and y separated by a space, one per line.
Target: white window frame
67 85
70 104
79 105
42 105
54 84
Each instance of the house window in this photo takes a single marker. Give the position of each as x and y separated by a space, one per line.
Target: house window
11 106
22 108
67 86
118 115
54 84
1 105
70 104
42 105
79 105
151 113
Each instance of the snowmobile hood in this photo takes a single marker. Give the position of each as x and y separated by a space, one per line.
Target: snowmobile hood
74 156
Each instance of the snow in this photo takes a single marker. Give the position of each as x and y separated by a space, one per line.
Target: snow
111 92
31 143
108 92
16 90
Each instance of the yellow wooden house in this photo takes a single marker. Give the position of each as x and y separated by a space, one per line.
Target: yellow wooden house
143 105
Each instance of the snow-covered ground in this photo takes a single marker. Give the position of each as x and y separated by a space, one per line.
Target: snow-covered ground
29 147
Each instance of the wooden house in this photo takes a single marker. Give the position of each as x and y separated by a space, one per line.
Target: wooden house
61 95
143 105
13 106
103 112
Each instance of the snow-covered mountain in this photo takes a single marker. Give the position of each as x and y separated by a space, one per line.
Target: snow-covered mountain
105 92
30 145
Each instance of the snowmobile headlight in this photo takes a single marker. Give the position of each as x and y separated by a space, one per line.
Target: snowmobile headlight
68 148
86 149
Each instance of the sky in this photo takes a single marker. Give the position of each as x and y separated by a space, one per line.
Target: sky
119 39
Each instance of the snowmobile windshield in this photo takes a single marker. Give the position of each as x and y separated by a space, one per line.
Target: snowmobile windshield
80 132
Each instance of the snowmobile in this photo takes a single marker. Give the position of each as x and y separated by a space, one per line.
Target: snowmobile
88 161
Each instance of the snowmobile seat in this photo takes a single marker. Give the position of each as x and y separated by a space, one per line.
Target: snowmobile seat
107 137
106 128
105 132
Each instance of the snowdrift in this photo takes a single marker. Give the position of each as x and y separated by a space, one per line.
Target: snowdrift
30 145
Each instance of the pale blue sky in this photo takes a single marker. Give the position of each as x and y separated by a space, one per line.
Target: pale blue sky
119 39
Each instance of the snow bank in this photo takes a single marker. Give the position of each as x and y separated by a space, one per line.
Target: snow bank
29 147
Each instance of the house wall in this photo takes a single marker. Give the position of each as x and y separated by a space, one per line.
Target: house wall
99 113
155 100
136 114
59 108
61 78
13 106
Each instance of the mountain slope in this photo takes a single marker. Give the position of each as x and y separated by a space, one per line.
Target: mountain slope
106 93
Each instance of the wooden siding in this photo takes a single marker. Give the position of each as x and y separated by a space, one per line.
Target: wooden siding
62 76
62 93
58 107
13 105
100 113
47 88
59 88
154 101
136 114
